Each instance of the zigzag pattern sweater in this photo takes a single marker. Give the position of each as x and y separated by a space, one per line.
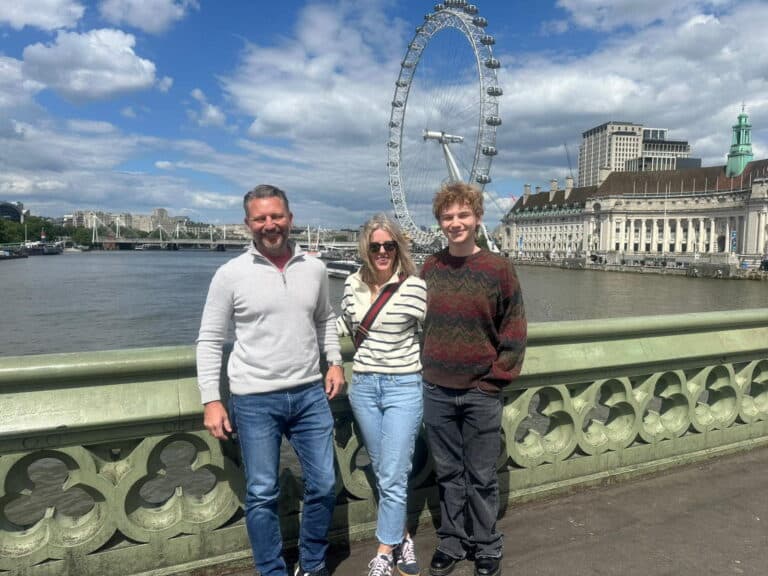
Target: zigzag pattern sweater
475 329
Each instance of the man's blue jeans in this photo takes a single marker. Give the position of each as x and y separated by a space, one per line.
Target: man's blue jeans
303 416
464 435
388 410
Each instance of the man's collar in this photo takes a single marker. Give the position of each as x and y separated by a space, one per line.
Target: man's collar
293 248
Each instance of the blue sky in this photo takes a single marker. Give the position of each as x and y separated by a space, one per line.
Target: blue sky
129 105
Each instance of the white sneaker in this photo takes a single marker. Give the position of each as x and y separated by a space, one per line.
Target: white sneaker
381 565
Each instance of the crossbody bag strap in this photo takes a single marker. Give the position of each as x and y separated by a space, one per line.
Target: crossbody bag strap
377 306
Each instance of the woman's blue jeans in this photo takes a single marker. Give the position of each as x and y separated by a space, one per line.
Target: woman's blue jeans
303 416
388 409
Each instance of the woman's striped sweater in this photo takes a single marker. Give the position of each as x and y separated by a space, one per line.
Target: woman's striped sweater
475 330
392 344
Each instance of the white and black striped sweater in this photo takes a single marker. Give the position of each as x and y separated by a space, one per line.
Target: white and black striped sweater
392 345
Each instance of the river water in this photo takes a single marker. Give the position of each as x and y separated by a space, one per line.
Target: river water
110 300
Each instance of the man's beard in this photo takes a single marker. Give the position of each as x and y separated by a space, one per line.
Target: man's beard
276 246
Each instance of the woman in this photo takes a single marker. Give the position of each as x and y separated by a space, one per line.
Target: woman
389 300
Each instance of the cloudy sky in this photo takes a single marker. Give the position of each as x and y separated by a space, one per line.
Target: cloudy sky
129 105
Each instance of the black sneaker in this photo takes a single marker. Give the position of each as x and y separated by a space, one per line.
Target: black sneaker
319 572
405 558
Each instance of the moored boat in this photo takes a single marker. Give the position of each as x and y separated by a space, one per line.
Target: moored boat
41 248
341 268
6 254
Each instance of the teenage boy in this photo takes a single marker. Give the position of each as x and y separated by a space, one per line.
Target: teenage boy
474 343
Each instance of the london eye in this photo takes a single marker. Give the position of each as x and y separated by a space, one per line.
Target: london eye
444 114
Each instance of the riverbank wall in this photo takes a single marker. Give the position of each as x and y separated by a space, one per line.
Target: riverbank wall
598 401
700 270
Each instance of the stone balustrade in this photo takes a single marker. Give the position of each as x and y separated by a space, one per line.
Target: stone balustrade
105 468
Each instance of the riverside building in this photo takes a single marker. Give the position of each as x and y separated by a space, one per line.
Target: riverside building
626 146
716 214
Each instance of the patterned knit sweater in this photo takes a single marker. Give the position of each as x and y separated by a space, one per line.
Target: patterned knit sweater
475 329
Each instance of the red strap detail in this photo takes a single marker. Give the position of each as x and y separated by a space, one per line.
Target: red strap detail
373 311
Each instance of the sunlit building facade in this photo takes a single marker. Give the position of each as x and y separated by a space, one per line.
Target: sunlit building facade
716 213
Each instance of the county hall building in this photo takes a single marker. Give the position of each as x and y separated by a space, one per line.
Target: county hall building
716 214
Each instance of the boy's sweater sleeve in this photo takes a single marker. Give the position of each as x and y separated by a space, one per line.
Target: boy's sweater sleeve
513 332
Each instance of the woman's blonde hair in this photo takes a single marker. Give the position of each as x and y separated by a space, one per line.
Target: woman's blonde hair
403 261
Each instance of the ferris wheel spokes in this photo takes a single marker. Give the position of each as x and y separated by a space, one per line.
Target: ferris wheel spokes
447 92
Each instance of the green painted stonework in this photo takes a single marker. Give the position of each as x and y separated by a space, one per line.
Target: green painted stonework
740 153
135 485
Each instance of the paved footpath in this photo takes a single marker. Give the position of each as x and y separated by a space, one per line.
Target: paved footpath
709 518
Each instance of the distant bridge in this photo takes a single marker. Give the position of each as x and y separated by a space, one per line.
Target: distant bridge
204 243
170 243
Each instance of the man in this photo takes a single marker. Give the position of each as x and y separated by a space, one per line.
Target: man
474 342
277 297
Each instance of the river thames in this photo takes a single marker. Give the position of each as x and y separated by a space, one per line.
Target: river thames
109 300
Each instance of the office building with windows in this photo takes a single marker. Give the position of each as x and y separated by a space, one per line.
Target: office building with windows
626 146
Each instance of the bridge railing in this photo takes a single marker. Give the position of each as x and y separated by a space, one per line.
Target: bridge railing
105 468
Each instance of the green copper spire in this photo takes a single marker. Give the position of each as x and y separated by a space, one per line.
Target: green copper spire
741 146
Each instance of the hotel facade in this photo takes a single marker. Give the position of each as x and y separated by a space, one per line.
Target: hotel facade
717 214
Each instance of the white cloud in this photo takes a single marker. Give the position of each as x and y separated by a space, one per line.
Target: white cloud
56 170
90 126
16 90
43 14
50 185
210 201
328 82
164 84
94 65
612 14
208 114
554 27
689 75
153 16
318 105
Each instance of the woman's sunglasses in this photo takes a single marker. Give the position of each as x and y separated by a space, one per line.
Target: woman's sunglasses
389 246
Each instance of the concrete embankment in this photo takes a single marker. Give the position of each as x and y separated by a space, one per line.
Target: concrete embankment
703 270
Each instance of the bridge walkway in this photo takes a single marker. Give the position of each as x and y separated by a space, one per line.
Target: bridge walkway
708 518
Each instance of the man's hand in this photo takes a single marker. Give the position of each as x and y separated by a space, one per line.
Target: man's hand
334 381
216 420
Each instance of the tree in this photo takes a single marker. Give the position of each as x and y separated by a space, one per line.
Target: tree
5 233
82 236
481 240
